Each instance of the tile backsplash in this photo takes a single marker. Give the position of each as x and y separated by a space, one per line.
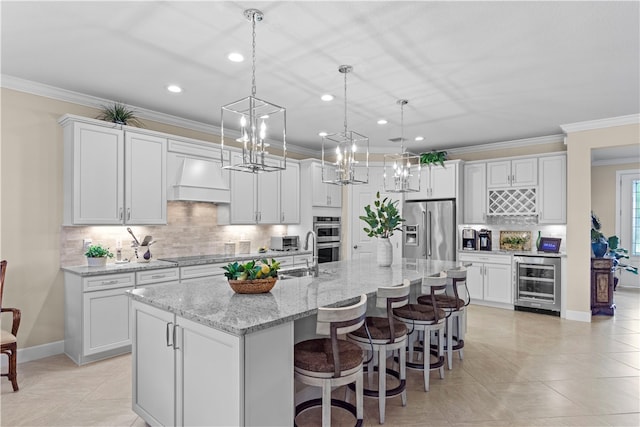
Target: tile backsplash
558 231
192 229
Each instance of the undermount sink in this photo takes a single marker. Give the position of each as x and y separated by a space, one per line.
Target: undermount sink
294 272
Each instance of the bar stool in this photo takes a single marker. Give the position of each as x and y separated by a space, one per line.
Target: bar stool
428 321
332 362
387 334
454 306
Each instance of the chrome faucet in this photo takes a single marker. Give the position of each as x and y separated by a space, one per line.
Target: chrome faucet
314 252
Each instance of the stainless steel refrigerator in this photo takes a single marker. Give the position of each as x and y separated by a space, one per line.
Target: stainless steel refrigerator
429 230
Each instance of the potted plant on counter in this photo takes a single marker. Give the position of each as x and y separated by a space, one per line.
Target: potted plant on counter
252 277
382 222
97 255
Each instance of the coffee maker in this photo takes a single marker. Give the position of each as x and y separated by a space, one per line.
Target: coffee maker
469 239
484 237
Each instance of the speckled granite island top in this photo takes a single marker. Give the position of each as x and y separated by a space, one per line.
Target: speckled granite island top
213 303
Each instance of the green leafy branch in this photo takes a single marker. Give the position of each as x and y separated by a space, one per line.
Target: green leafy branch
384 220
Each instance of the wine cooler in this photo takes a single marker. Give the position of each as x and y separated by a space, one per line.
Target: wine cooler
537 284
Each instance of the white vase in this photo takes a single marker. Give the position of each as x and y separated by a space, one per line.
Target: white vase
97 261
385 252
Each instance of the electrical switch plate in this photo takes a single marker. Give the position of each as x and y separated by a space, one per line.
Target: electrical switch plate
86 243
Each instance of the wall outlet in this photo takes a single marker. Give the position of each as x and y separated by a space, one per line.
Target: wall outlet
86 243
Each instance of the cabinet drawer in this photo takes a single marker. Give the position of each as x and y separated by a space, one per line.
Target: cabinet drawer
285 261
495 259
202 270
108 281
157 276
302 259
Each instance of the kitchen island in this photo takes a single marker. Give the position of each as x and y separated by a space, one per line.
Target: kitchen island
203 355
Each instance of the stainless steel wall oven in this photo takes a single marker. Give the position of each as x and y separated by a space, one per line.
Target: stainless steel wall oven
328 231
537 284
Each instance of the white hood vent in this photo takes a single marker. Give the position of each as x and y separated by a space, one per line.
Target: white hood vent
199 179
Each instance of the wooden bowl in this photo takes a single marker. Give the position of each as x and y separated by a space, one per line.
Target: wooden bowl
256 286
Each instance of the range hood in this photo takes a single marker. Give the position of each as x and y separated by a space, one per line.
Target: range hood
197 179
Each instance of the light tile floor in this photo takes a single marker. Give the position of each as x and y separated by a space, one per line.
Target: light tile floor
519 369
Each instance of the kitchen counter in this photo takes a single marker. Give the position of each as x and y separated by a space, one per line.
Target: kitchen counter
516 253
213 303
133 266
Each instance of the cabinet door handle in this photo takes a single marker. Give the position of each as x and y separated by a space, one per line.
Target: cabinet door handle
175 329
169 344
158 276
128 214
120 214
110 282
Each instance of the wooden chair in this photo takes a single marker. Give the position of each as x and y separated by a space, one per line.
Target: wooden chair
8 340
381 335
426 323
454 306
332 362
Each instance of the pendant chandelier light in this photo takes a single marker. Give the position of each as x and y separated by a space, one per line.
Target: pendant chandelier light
345 155
253 122
402 171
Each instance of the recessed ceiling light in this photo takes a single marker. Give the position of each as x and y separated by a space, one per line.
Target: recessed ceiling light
235 57
322 133
174 88
327 97
419 138
382 122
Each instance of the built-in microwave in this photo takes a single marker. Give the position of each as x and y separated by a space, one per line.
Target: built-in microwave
327 228
285 243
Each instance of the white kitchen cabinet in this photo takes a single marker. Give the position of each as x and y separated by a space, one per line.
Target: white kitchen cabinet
290 194
255 198
552 196
145 161
475 193
187 374
112 175
521 172
322 194
489 279
437 182
97 314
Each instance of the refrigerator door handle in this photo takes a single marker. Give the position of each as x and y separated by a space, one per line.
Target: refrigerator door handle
424 222
430 235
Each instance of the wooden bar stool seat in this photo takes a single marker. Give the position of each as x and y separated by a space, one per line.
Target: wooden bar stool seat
428 321
382 335
454 305
332 362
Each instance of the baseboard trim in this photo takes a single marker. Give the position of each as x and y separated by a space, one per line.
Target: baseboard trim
580 316
36 352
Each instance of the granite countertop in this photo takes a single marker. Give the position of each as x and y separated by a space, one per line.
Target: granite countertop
213 303
133 266
516 253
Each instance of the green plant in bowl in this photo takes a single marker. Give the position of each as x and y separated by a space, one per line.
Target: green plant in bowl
252 270
98 251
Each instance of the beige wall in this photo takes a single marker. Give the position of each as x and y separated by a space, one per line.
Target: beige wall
579 204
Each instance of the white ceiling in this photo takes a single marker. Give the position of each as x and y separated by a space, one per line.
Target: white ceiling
473 72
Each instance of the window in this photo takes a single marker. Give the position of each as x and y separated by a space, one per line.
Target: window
635 217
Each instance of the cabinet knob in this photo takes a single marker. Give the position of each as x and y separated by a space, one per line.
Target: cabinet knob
355 246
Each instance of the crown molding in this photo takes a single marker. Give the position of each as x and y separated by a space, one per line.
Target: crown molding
41 89
621 161
516 143
631 119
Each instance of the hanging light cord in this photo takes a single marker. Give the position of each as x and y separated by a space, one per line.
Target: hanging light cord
401 127
253 56
345 102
